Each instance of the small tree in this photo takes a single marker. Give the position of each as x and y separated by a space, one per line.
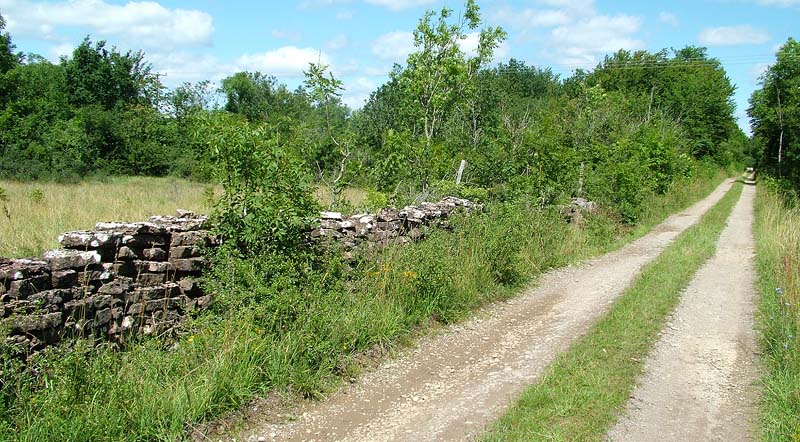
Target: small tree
439 77
325 93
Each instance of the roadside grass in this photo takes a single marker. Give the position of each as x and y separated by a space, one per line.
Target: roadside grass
300 338
39 211
583 391
777 234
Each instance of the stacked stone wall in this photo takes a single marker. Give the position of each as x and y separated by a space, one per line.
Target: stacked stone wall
122 279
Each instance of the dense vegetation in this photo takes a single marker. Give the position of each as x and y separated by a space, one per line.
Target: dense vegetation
775 116
634 134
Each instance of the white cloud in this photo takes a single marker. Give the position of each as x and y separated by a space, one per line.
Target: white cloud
344 15
531 18
734 36
357 91
147 22
470 46
397 5
61 50
286 61
338 42
394 46
179 67
584 41
668 18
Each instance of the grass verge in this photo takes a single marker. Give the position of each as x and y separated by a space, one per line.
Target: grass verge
297 336
584 390
777 234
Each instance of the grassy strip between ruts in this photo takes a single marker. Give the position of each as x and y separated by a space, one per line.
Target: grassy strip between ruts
585 389
777 234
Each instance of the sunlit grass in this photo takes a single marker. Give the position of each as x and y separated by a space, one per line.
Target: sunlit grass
778 256
38 212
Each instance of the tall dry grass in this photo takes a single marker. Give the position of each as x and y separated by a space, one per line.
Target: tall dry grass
34 214
777 233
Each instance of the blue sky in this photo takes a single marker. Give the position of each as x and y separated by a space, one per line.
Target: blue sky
362 39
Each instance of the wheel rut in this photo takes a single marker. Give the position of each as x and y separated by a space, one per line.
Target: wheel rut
450 385
700 380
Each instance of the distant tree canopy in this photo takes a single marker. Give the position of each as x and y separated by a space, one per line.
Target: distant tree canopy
775 115
628 128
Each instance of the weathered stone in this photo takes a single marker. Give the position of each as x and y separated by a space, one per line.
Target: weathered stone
166 290
191 238
23 288
88 240
16 269
95 274
62 279
330 216
185 252
52 297
63 259
115 288
125 268
138 228
32 323
190 287
155 254
185 221
189 265
389 225
145 240
102 317
329 224
152 266
150 279
127 253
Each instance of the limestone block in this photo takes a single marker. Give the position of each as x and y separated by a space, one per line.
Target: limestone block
62 259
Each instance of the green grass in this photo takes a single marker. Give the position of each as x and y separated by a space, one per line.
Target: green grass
777 234
300 338
38 212
584 390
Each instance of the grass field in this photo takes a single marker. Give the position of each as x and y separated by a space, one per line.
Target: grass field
777 233
585 388
34 214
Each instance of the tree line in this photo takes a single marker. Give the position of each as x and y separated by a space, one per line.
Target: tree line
629 128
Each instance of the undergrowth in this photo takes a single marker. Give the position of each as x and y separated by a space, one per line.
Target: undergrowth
297 322
777 233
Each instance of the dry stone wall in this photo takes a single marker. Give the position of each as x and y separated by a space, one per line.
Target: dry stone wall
126 278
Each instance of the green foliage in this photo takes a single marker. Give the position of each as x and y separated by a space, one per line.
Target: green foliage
36 195
775 115
266 203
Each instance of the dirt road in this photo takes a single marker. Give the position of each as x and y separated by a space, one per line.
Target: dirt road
452 384
700 379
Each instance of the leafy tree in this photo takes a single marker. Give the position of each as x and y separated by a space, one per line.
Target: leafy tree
775 114
439 76
8 59
108 78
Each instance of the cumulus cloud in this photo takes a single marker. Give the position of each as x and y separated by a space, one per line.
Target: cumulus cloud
470 44
734 36
286 61
531 18
582 42
394 46
356 91
147 22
